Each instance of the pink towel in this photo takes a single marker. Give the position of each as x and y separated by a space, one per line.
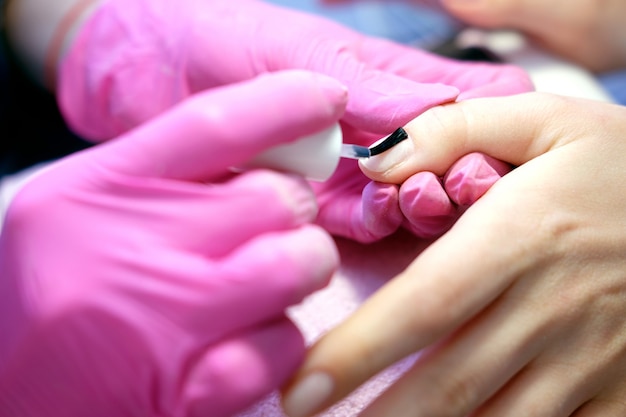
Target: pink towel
364 269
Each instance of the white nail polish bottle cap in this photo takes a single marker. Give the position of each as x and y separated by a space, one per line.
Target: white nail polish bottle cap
315 156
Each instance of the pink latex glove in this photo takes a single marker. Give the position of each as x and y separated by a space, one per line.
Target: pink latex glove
133 59
142 278
429 211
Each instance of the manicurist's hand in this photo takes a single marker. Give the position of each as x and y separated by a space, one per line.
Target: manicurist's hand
519 309
143 278
131 60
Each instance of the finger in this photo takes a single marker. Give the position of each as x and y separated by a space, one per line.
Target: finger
513 129
603 407
498 13
568 379
382 100
473 79
439 291
365 217
254 203
236 372
501 341
266 275
351 206
426 206
381 211
217 129
546 389
471 176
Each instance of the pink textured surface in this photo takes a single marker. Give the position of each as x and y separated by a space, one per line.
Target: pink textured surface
365 268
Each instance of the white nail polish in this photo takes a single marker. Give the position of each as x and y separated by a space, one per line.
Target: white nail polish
308 395
389 159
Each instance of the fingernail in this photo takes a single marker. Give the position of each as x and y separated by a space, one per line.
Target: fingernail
308 395
391 158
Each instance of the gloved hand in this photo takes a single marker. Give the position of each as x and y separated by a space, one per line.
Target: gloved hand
425 204
429 211
142 278
132 60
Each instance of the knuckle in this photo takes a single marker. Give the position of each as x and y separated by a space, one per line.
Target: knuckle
453 396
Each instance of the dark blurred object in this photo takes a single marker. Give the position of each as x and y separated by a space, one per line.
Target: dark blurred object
450 49
31 127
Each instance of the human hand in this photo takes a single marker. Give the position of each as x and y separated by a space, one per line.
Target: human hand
164 52
519 309
590 33
425 204
587 32
142 277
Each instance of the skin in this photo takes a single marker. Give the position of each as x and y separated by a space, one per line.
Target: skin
588 32
569 28
519 309
33 27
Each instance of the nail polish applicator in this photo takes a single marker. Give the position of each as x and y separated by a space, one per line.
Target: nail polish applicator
316 156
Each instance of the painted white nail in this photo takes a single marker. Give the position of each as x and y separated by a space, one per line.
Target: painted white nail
308 395
391 158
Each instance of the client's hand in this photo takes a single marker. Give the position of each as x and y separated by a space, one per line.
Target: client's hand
142 277
520 306
588 32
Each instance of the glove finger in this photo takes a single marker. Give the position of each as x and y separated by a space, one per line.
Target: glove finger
263 277
365 217
251 204
233 374
473 79
217 129
380 102
471 176
381 211
351 206
426 206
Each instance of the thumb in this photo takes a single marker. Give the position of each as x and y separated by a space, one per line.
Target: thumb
202 137
514 129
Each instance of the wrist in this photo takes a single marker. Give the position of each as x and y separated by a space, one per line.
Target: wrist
40 30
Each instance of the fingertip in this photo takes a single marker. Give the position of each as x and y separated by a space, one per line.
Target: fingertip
334 91
309 395
308 258
390 166
288 199
380 102
426 206
381 210
234 373
471 176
